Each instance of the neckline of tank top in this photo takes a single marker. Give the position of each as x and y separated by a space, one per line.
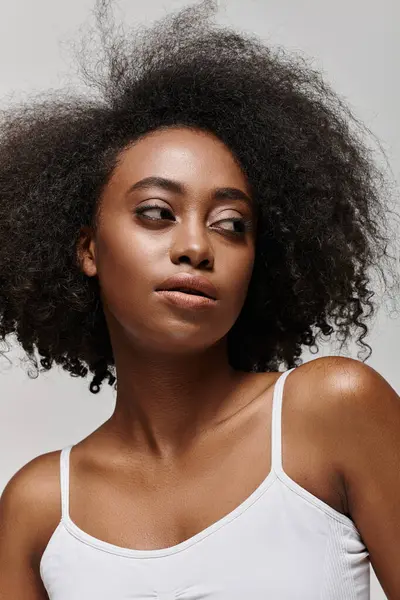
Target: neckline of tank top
191 541
276 473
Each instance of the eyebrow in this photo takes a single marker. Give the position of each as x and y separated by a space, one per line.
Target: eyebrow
221 193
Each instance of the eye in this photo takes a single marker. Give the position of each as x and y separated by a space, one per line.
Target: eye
239 225
165 212
243 225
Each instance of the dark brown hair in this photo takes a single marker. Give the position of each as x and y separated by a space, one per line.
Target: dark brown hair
321 198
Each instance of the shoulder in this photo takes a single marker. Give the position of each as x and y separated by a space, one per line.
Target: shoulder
357 410
364 412
346 383
30 504
343 392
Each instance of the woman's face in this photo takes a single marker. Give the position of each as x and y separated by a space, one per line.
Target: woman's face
155 231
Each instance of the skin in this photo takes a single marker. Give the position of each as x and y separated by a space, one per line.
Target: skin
174 456
174 379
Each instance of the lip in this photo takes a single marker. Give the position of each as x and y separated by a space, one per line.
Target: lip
189 282
186 301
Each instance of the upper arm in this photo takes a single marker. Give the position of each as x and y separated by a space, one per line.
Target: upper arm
19 525
365 416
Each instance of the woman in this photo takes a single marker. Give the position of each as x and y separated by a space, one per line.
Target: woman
182 235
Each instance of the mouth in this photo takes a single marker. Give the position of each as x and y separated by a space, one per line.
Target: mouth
187 299
189 291
185 284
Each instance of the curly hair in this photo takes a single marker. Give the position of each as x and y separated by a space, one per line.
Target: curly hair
320 197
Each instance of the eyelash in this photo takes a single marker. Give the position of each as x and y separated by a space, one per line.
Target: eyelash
245 222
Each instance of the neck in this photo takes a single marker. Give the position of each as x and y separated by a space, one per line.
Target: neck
165 402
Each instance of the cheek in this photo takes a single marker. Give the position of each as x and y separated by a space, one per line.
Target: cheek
125 265
126 254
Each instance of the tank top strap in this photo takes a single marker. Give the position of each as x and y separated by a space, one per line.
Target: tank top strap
276 427
276 443
64 480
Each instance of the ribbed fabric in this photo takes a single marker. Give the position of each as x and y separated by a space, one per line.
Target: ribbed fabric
281 543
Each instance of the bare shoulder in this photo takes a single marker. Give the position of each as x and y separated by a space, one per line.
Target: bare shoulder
332 379
349 401
30 504
360 403
338 383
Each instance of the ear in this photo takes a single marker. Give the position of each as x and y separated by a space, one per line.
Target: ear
86 252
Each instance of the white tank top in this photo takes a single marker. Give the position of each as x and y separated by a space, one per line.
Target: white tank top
281 543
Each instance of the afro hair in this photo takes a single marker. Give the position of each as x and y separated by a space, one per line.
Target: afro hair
321 199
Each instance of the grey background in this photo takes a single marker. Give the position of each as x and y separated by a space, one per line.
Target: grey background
356 43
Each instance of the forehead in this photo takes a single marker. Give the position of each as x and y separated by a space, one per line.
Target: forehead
192 156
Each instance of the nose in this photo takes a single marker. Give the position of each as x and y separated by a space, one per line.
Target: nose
191 244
